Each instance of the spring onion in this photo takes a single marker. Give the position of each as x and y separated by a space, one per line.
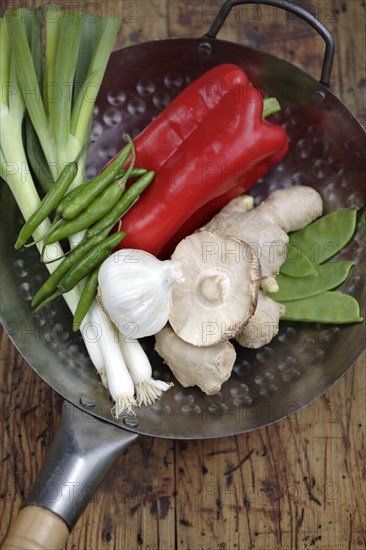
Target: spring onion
59 105
119 381
147 389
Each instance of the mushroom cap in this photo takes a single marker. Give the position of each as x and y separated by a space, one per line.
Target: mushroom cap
219 294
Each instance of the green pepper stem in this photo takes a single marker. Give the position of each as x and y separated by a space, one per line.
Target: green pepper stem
82 151
53 227
270 106
54 259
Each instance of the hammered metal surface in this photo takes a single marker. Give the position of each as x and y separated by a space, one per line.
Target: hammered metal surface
327 151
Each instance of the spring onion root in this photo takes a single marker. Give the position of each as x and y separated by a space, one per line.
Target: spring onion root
147 389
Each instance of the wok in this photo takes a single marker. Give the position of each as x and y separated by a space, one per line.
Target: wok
327 151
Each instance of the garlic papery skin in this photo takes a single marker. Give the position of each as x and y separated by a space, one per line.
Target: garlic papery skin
135 289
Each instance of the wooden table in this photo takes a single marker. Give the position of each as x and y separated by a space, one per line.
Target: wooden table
296 484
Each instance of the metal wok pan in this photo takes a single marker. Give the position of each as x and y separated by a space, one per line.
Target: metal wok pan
327 147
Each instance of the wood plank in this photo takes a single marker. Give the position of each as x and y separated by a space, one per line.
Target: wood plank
296 484
351 40
286 486
134 508
193 19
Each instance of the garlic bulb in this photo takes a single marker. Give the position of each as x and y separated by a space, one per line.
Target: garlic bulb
135 289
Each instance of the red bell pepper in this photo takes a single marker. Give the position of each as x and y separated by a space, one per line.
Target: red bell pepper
208 146
208 211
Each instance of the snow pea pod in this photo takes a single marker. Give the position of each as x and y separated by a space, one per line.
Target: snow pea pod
326 236
328 307
329 276
297 264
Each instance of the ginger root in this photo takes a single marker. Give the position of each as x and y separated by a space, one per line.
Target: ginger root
208 368
263 325
294 207
265 228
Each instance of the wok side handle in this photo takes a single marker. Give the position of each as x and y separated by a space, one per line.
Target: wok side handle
292 8
83 451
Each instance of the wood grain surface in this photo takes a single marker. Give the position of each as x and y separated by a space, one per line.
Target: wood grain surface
297 484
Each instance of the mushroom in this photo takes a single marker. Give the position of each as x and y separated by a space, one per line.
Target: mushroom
219 293
263 325
208 368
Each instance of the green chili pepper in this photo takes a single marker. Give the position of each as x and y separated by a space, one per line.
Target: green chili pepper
88 192
329 307
70 196
325 237
101 204
125 202
96 210
86 299
329 276
297 264
91 259
134 173
48 203
72 258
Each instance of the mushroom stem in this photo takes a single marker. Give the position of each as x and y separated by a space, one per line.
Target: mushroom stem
213 288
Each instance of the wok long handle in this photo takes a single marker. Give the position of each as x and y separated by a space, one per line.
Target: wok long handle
292 8
83 451
36 529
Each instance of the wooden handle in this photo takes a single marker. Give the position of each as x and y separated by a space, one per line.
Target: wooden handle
36 529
